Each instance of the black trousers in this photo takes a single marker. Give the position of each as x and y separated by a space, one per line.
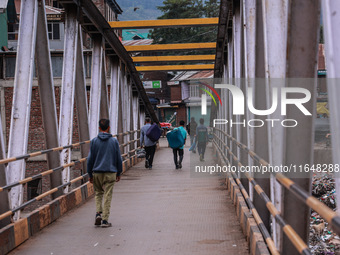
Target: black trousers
150 152
180 152
201 148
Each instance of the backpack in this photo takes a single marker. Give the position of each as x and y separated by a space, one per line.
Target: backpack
175 138
154 132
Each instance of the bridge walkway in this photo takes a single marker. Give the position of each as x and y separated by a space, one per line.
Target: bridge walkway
158 211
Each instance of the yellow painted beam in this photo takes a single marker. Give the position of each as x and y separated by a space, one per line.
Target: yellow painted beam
175 68
173 58
169 47
141 24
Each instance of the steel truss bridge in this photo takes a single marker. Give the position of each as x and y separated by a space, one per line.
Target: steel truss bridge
259 42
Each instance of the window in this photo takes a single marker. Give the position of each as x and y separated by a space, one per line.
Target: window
56 4
53 31
194 91
13 31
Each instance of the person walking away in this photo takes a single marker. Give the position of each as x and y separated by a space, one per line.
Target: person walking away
202 139
180 151
150 146
191 129
104 166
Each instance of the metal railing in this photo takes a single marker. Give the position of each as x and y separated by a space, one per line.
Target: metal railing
9 213
324 211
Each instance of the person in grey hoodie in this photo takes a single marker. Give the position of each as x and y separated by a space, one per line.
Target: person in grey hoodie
150 146
104 166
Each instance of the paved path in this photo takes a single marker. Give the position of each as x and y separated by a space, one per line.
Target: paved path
158 211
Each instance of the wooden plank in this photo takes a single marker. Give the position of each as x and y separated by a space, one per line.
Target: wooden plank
141 24
174 68
177 46
173 58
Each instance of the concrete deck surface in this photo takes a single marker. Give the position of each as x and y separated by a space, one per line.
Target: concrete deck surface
158 211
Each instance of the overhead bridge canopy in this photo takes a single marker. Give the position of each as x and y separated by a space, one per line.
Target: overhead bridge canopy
174 58
141 24
205 62
169 47
175 68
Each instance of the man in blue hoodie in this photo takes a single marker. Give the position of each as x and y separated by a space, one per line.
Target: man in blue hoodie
104 166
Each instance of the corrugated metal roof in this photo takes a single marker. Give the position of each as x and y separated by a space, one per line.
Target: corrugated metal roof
190 75
182 76
137 42
203 74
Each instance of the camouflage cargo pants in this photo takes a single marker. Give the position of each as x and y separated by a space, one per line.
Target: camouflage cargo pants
103 187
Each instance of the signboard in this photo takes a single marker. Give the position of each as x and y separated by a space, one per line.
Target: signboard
322 72
152 84
172 83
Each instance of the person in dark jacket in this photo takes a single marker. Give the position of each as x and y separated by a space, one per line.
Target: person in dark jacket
191 129
202 139
149 146
104 166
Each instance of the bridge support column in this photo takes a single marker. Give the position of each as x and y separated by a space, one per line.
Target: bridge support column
104 106
96 85
261 134
331 21
275 14
302 58
47 97
114 95
20 118
249 17
81 101
4 202
68 88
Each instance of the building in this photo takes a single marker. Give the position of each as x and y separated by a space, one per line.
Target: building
186 91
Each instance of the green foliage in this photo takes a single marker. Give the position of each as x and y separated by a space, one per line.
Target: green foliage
181 9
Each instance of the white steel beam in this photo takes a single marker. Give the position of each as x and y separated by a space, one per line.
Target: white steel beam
260 134
68 89
4 202
20 117
47 97
275 19
104 102
81 100
237 37
96 85
249 19
135 112
331 21
114 95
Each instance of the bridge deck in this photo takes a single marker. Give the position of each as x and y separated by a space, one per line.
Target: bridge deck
158 211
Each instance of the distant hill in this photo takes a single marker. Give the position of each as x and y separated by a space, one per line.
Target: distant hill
147 9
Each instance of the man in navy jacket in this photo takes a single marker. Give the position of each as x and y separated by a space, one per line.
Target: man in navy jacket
104 166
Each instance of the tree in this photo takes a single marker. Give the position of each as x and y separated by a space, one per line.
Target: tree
182 9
